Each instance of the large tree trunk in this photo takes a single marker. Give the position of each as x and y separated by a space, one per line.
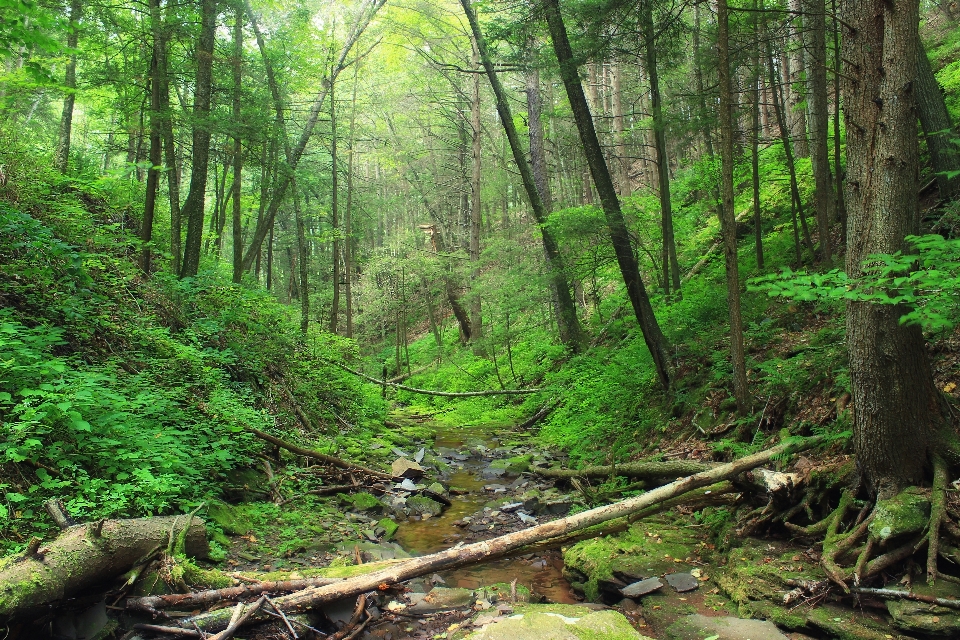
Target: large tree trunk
937 129
194 205
896 405
86 555
671 267
619 236
570 332
728 217
816 24
61 157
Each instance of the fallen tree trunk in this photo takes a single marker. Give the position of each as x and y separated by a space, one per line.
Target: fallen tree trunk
153 604
429 392
668 469
459 556
316 455
542 413
85 555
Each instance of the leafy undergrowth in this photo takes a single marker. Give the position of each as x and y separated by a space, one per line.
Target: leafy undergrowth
126 394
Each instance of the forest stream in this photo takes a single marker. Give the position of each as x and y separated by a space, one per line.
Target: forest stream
476 483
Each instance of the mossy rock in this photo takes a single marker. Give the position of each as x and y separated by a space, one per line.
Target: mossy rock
758 569
559 622
920 617
424 506
846 624
907 512
652 548
362 501
518 464
229 518
697 627
390 528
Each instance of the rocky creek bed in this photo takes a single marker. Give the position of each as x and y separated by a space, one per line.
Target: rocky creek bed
663 578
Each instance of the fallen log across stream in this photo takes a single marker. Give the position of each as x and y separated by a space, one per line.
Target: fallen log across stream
505 545
86 555
430 392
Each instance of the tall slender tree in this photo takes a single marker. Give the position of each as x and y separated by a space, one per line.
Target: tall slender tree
61 156
671 267
570 332
193 208
728 220
237 224
617 226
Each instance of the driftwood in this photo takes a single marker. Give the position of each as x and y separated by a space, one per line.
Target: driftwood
153 604
897 594
429 392
668 469
316 455
542 413
85 555
502 546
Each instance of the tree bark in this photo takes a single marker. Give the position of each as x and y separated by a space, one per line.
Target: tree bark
334 211
619 236
671 267
153 173
896 405
818 108
61 157
937 129
757 24
165 115
194 205
86 555
570 332
728 216
348 215
237 146
619 133
476 312
303 254
796 113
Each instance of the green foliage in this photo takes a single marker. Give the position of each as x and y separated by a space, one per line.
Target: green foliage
927 283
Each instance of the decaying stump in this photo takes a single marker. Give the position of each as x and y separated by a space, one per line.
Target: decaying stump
86 555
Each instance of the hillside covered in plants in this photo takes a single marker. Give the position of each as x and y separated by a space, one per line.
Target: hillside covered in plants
381 320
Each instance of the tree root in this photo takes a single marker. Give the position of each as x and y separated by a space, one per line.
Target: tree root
938 499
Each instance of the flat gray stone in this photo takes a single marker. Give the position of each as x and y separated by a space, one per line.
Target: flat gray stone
641 588
696 627
682 582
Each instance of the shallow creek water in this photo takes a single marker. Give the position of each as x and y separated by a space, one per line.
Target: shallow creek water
539 573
